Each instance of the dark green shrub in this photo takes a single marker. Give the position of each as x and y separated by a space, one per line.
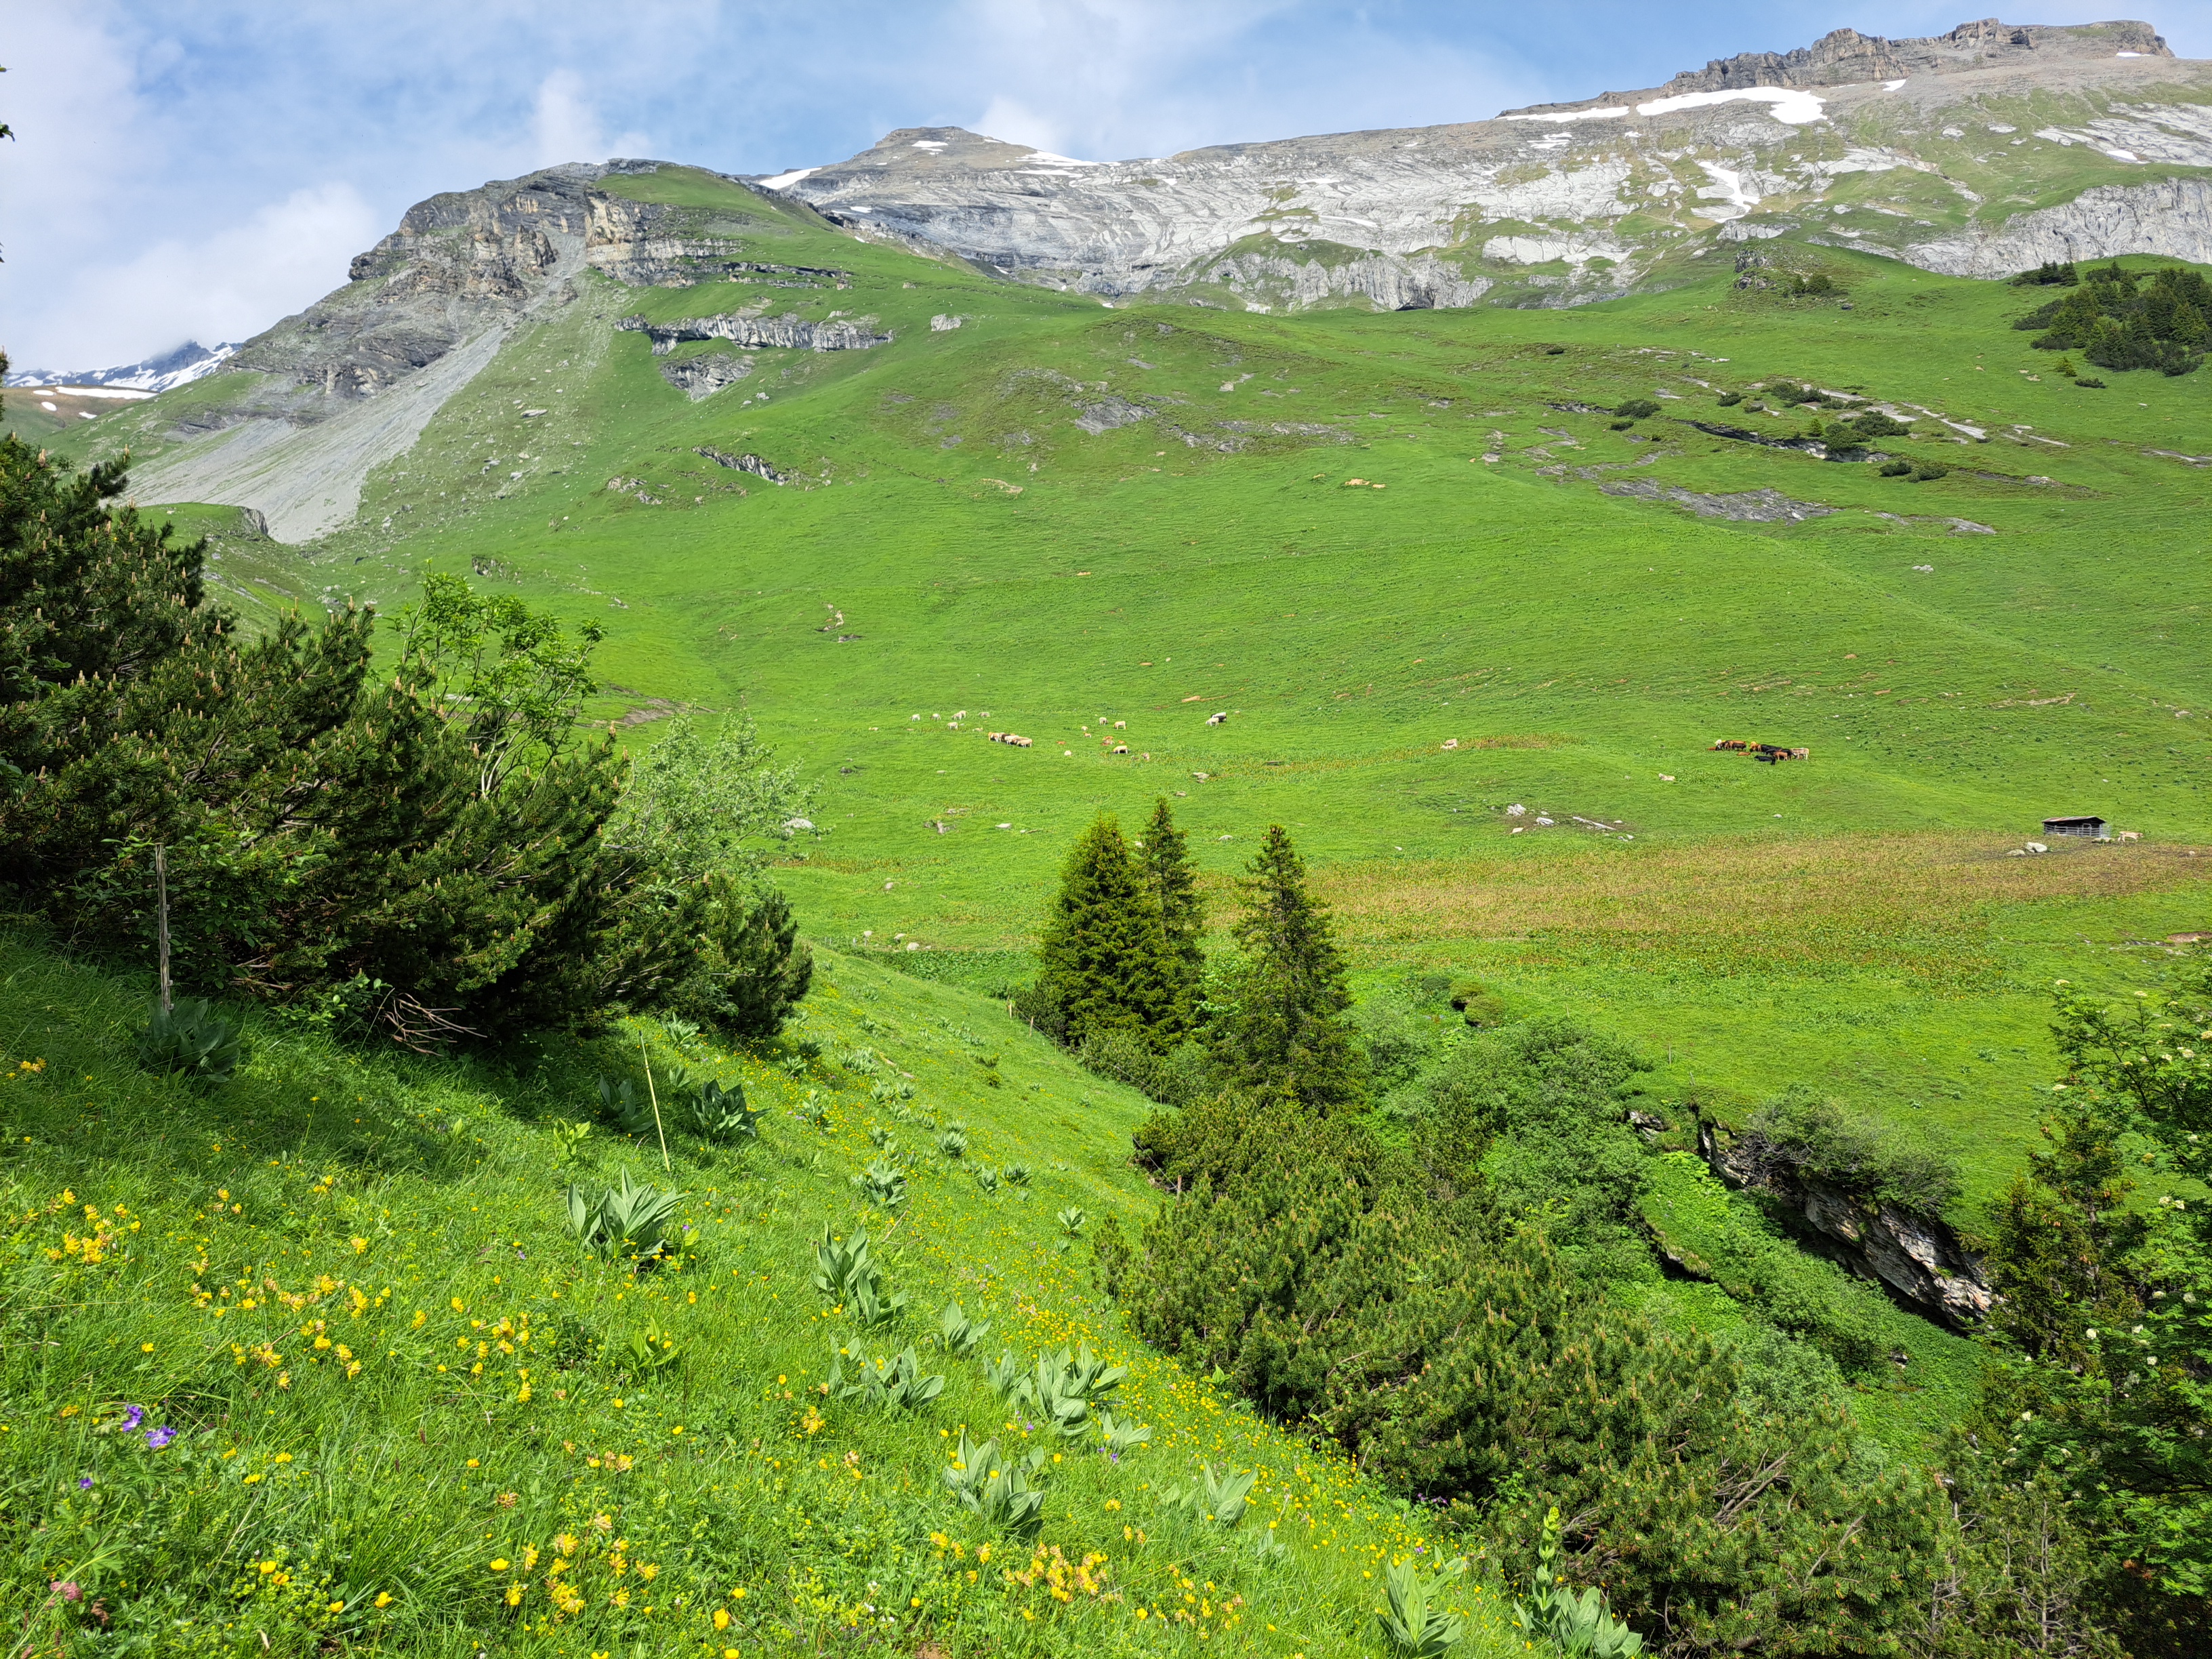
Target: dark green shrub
1801 1136
1035 1008
2117 321
1922 472
1637 408
1729 399
1480 1006
751 968
191 1043
1181 1077
1872 424
2048 274
2090 383
1897 469
1460 1360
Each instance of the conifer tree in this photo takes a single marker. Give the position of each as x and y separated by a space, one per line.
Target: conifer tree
1104 960
1165 852
1286 1036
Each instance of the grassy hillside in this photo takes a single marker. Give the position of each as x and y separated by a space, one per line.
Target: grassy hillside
1101 526
314 1362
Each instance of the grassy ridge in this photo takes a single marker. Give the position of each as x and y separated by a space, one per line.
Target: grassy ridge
396 1385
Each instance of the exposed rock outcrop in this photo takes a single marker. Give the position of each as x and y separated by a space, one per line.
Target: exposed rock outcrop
752 464
2173 217
703 376
744 329
1919 1257
1844 57
1561 203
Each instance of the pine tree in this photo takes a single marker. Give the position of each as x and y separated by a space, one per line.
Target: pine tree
1286 1036
1166 855
1103 961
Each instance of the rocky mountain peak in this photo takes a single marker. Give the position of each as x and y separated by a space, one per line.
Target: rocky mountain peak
1846 57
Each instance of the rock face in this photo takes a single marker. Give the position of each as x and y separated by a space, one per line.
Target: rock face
317 402
1919 1257
750 329
1846 56
1926 150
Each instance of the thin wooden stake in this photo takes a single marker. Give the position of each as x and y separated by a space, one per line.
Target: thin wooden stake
653 1094
161 924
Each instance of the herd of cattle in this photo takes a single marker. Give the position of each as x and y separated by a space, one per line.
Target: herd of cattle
1770 754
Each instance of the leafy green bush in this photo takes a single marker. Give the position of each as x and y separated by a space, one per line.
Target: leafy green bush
2049 273
1412 1629
1729 399
1481 1005
888 1384
957 1335
1637 408
1178 1076
1872 424
630 1216
1000 1489
651 1351
192 1043
1922 472
1897 469
1801 1136
716 1114
1573 1624
883 1184
2091 382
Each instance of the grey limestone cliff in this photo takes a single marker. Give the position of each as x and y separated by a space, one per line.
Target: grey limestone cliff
1931 150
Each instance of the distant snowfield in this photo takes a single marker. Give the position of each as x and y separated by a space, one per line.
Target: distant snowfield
1789 105
128 393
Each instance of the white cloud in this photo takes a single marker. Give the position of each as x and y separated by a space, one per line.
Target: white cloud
227 285
565 126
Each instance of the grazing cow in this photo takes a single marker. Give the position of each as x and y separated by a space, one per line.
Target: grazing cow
1801 754
1734 745
1216 720
1120 748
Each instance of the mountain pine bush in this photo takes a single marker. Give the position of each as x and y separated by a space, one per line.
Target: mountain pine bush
423 842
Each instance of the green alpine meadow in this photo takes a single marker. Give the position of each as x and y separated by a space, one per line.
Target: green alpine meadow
973 904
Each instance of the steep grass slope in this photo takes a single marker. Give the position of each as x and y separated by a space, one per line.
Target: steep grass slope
314 1361
1101 527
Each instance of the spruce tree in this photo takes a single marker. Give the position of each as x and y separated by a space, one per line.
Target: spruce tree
1286 1036
1165 853
1103 961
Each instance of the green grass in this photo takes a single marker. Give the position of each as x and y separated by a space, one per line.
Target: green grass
1353 633
407 1212
1925 1379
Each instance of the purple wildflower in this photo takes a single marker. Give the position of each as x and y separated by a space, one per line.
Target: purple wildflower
84 1484
157 1439
132 1416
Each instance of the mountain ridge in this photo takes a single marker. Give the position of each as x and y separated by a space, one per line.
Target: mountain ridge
2000 148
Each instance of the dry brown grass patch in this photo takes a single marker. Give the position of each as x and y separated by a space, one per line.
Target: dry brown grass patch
1843 897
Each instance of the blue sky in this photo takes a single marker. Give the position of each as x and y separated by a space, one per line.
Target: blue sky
197 168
